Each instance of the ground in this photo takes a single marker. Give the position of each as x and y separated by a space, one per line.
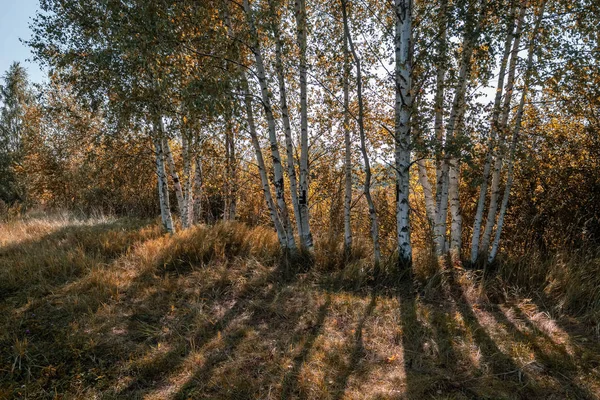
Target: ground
113 309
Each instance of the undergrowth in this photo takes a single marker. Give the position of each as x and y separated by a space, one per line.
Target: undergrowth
115 309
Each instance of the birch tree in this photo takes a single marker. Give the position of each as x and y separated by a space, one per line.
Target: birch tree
403 111
275 155
301 28
516 132
363 144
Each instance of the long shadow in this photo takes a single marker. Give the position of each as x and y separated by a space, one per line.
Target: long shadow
501 366
42 307
561 370
290 379
412 340
357 353
245 302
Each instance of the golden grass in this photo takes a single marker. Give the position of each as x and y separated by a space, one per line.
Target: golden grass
114 309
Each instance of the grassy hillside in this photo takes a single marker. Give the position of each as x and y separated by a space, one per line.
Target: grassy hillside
112 309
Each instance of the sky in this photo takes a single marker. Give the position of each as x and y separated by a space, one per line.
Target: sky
15 16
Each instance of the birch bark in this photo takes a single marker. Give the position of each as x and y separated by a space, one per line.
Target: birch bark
305 236
281 233
188 211
456 114
516 133
347 153
403 111
163 186
363 145
499 157
494 127
174 175
275 156
287 129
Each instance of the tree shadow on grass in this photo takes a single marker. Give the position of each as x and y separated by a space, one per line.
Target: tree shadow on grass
224 318
290 379
356 354
559 366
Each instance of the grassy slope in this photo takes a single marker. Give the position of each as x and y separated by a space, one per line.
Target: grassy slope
112 309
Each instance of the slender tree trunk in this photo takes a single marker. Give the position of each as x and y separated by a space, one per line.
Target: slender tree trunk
174 176
229 187
287 129
188 213
363 145
163 186
515 136
499 159
454 198
439 110
281 234
494 127
403 111
198 186
427 192
456 114
306 236
233 175
347 153
276 157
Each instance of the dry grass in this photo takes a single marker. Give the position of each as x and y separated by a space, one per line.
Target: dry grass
113 309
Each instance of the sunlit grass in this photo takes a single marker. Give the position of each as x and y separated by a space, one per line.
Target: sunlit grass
105 308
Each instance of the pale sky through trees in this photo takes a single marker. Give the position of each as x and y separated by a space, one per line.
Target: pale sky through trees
14 25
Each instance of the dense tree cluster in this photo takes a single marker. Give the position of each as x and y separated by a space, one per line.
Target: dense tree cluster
420 127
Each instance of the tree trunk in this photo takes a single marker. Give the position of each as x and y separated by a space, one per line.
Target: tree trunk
347 154
439 108
174 176
230 173
427 192
163 186
497 173
473 28
281 234
454 198
276 157
515 136
306 236
188 211
494 127
287 129
363 145
403 111
198 186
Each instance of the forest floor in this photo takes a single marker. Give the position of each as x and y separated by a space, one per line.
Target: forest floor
112 309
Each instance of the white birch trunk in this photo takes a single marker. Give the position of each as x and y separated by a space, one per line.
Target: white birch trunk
439 109
305 236
363 145
456 113
515 136
188 211
456 217
347 153
163 187
281 234
427 192
287 129
174 176
198 187
403 111
230 174
275 156
492 141
499 157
